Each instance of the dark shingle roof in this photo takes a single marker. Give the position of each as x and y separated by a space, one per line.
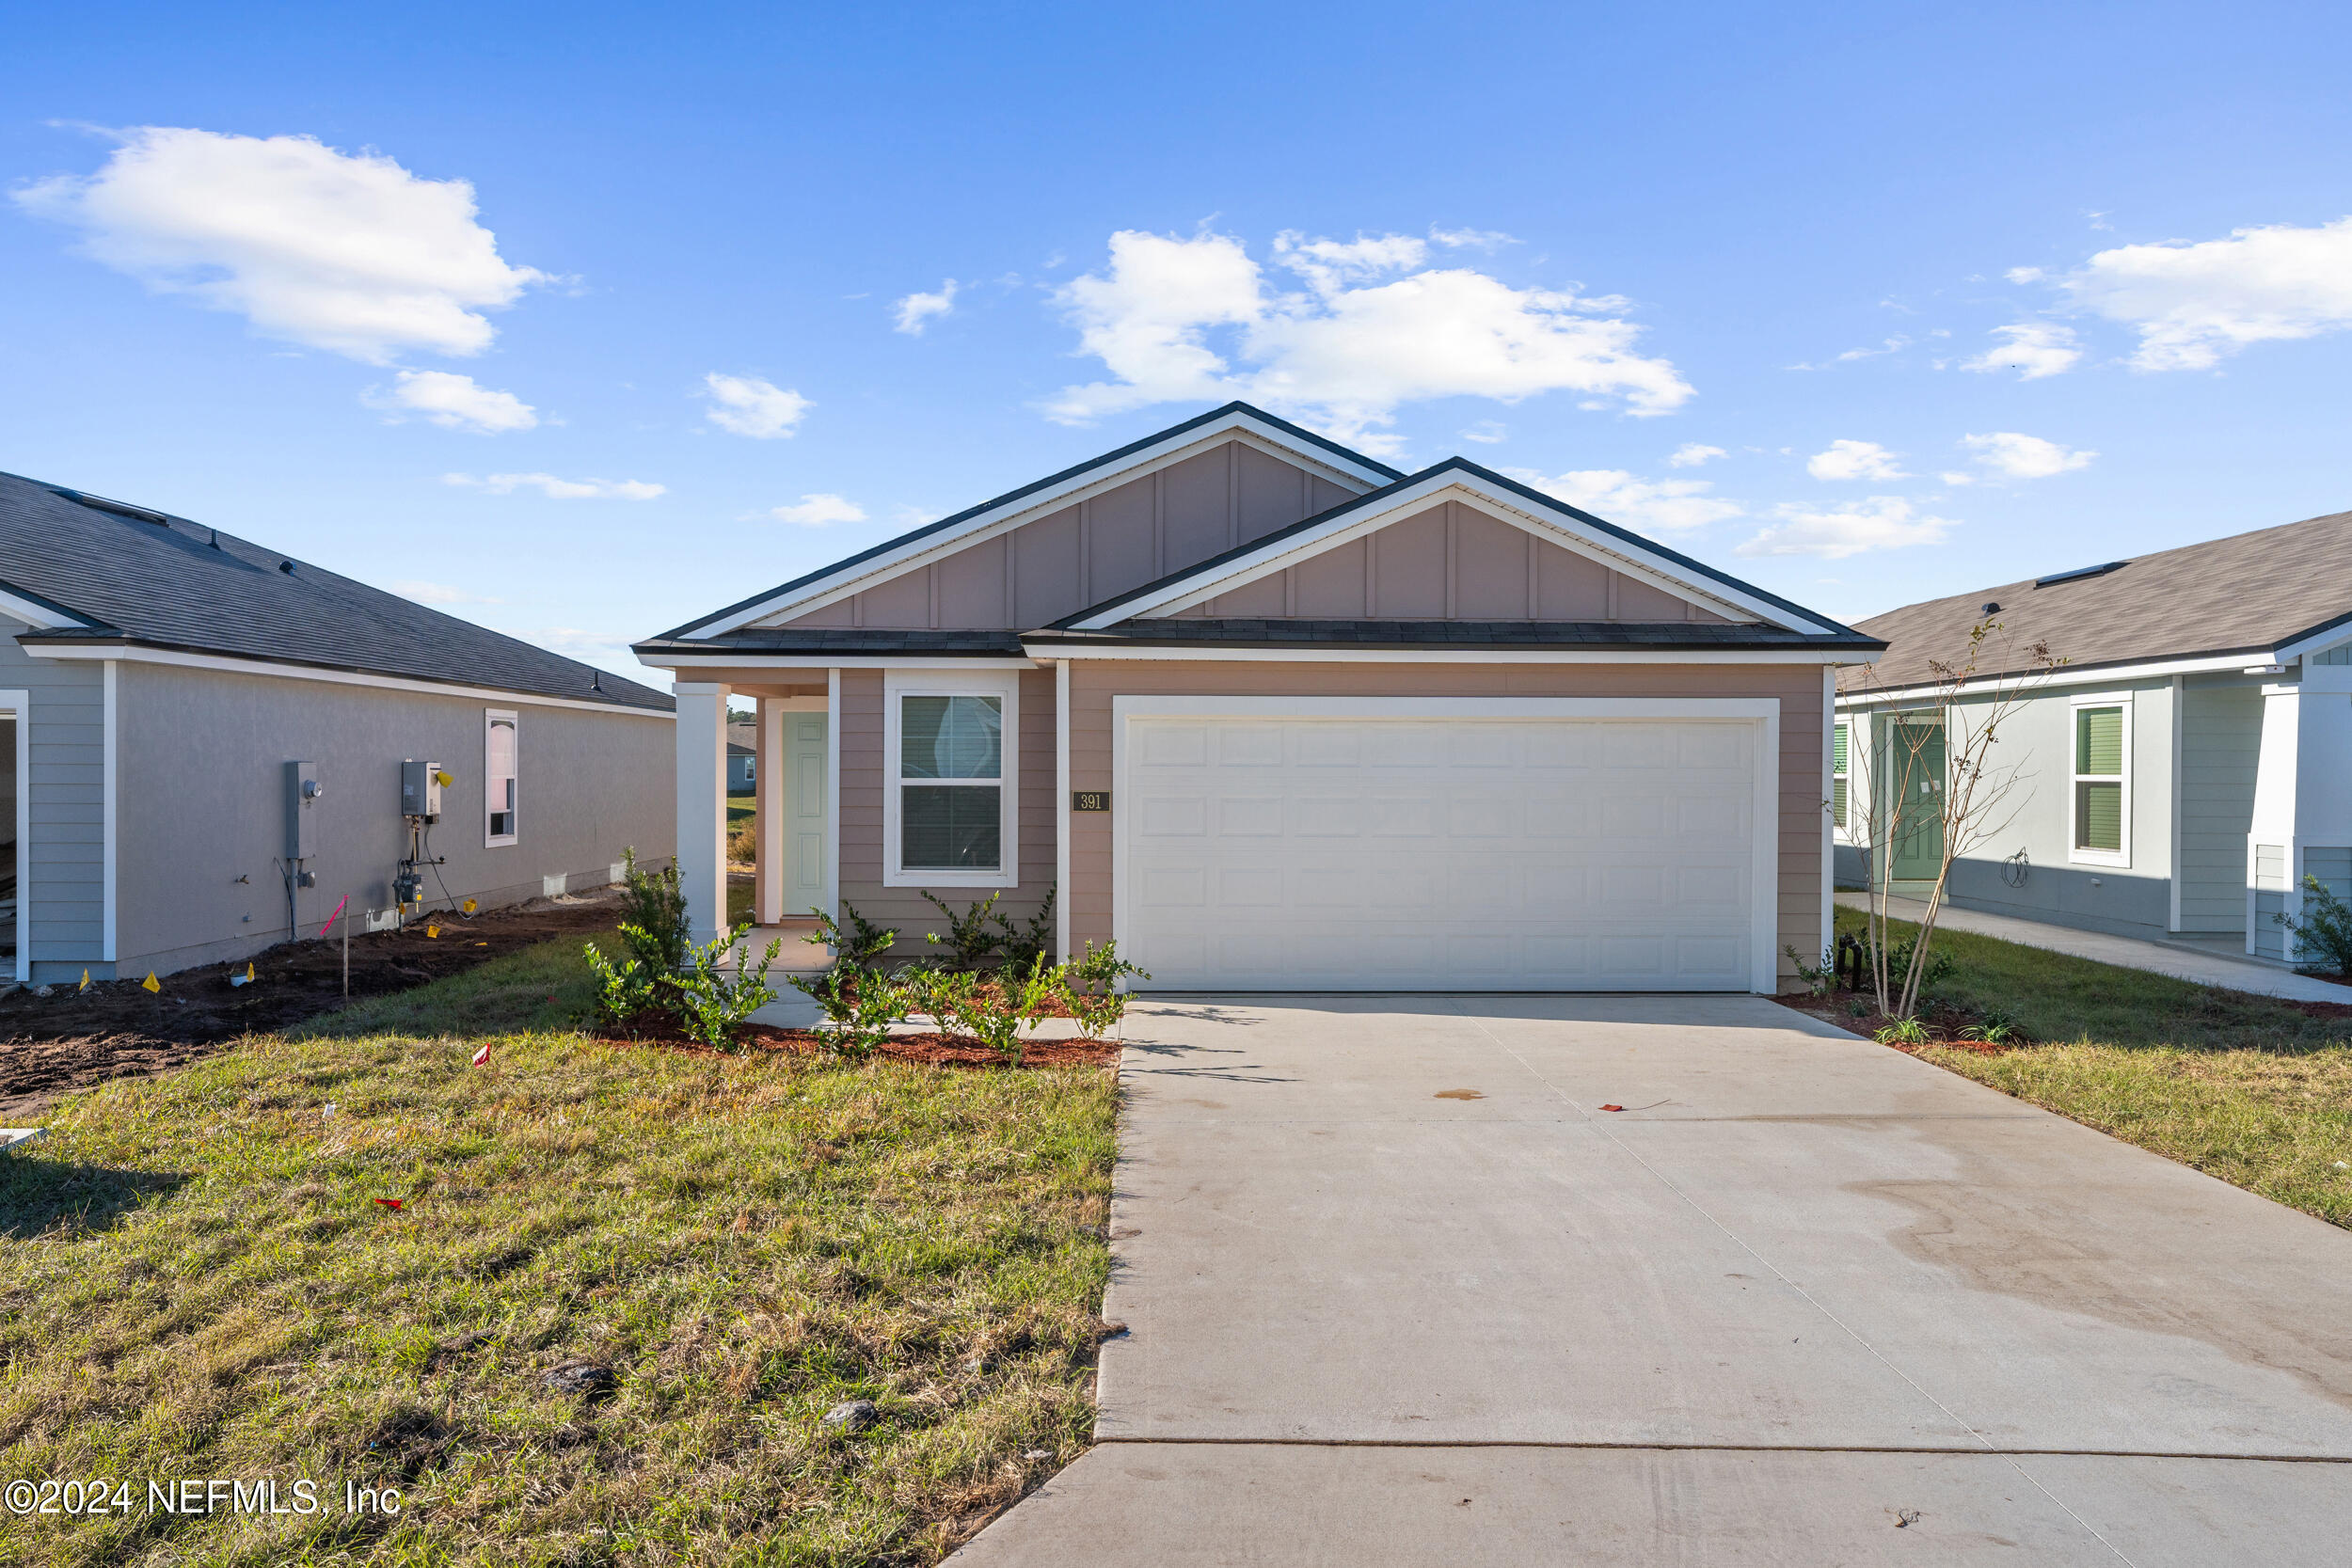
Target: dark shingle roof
2247 594
160 582
1460 634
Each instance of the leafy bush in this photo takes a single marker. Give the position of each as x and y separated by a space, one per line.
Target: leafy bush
969 940
652 902
712 1008
1091 985
1817 982
664 972
2323 938
1033 938
1903 1031
859 1004
860 942
1995 1029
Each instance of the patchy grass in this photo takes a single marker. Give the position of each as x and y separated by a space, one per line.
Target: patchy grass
196 1282
2251 1089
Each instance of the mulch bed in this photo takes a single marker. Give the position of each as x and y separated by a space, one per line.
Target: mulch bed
929 1050
72 1039
1942 1023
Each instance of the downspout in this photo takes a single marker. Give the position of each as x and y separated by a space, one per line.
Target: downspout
1061 811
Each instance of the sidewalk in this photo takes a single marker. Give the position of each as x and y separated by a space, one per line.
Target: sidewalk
2160 957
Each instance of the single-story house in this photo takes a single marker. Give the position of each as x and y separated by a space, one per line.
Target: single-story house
209 745
742 762
2177 777
1273 715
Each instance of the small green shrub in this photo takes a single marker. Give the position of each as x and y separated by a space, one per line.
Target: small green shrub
2323 938
970 939
859 943
1030 941
1817 981
653 903
1903 1031
711 1007
859 1004
1091 985
1995 1029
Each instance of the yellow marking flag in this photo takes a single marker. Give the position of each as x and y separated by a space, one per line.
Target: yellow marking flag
467 906
85 985
150 983
433 930
248 975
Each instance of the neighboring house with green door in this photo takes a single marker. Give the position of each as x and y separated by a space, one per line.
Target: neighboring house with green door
2178 777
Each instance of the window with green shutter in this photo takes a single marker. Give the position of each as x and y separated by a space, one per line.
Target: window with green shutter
1837 775
2099 778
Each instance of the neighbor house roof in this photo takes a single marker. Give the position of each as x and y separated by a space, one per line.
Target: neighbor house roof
2251 593
113 573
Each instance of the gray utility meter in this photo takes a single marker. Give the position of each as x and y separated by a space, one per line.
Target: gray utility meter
421 789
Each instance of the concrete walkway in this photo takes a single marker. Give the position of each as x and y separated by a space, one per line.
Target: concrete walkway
1400 1291
2160 958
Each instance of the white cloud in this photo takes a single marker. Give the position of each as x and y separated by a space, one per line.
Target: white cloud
435 593
1486 432
562 489
1664 505
2032 349
917 311
347 252
1853 460
749 406
1343 351
2023 275
817 511
2192 304
1881 523
1955 477
1472 239
452 402
2006 452
1691 455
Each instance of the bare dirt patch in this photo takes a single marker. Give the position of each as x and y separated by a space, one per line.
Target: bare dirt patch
73 1038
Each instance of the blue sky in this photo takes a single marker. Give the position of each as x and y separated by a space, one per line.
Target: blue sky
1573 243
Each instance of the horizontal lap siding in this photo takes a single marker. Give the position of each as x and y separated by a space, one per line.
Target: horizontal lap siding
860 810
2221 728
64 863
1801 820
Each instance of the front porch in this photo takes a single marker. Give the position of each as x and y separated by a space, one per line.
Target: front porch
795 771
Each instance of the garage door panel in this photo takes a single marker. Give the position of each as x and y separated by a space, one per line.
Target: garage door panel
1542 854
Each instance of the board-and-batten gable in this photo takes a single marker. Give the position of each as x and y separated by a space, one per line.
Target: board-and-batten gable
1134 531
1450 562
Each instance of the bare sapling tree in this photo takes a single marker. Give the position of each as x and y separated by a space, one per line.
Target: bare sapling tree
1931 768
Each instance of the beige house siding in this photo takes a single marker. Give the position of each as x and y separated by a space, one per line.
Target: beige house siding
1452 562
1129 536
1803 824
860 811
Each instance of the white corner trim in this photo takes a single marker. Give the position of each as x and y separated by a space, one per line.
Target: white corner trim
2172 852
110 822
926 683
1829 800
832 793
1061 812
1548 524
1438 654
845 580
18 704
1764 958
123 653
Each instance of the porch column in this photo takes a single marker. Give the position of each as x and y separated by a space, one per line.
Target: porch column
768 797
702 806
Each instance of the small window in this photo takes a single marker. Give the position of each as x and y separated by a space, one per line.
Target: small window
949 753
1837 775
2099 781
502 758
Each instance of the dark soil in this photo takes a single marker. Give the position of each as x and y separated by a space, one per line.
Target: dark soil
75 1038
1943 1021
931 1050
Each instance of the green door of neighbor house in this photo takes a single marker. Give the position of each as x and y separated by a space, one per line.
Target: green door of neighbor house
1913 770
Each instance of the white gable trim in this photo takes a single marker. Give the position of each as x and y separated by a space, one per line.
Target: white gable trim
38 616
1237 426
1552 525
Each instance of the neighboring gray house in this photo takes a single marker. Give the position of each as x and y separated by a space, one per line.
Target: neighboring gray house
158 681
742 759
2182 774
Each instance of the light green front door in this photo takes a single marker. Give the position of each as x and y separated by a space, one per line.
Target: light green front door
1912 764
806 809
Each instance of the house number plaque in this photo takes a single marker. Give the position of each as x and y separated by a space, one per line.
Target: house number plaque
1090 800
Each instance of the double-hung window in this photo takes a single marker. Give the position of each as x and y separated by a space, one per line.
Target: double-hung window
502 774
1838 777
950 764
2103 822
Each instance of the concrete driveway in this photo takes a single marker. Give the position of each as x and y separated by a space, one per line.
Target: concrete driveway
1400 1291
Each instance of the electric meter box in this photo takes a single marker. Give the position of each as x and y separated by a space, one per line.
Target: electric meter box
420 789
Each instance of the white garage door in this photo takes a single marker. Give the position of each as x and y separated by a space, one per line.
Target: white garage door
1284 853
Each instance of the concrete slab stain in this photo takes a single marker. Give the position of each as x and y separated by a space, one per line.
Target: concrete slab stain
1458 1093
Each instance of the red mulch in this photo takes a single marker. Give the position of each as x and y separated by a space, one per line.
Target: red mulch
932 1050
1943 1030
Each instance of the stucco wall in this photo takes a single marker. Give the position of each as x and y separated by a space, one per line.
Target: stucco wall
860 814
1081 555
202 803
62 870
1802 824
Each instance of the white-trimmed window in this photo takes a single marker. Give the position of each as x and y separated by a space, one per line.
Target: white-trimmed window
501 776
950 774
2101 794
1839 776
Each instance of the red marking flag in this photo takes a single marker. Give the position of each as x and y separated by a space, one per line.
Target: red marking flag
332 918
392 1203
482 1057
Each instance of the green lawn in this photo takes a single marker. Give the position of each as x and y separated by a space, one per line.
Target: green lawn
741 806
196 1282
2243 1087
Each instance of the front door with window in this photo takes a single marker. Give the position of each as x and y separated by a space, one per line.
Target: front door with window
1914 774
804 809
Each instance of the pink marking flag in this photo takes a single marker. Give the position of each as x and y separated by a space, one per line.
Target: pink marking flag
332 918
